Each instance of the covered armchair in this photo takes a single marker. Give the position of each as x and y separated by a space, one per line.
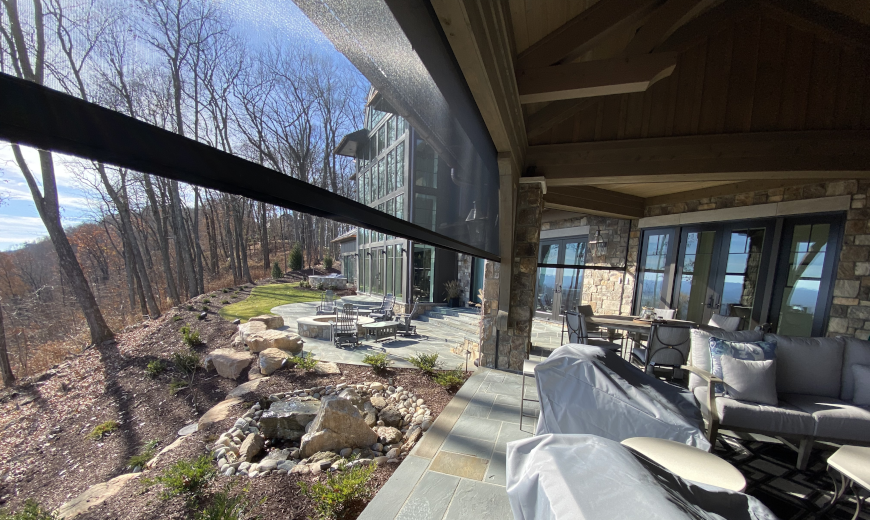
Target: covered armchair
385 312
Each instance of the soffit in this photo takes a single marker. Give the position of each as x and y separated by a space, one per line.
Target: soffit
654 189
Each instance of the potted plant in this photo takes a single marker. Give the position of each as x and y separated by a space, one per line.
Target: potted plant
453 290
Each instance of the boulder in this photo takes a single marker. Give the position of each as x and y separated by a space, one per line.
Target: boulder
413 436
287 419
251 447
351 395
279 455
388 435
379 402
280 339
229 363
271 360
249 387
391 416
326 368
269 320
338 424
250 328
370 414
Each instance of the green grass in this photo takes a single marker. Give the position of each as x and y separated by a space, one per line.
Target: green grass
264 297
31 511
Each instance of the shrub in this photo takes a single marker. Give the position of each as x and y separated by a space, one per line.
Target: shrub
451 379
177 318
205 308
154 368
378 362
103 429
425 362
206 300
320 286
31 511
276 270
176 386
453 289
186 362
190 307
226 291
296 257
147 453
304 362
201 317
304 284
327 261
187 478
340 492
223 506
224 302
190 337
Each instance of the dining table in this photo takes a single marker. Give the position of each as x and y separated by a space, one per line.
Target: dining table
632 325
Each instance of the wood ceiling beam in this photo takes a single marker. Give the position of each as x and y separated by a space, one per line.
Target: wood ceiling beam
583 31
587 199
728 189
594 78
707 22
662 23
824 23
823 154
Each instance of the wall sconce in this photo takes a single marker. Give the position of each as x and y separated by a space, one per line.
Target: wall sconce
598 246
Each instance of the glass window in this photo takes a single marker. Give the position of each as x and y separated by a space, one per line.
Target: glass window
391 130
800 298
425 165
742 268
382 139
424 267
397 273
362 188
400 207
651 278
695 275
391 171
388 275
424 210
400 165
381 180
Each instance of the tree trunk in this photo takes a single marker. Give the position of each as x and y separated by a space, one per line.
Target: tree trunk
162 241
5 367
49 212
264 238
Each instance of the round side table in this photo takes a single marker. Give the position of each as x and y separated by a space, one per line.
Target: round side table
689 462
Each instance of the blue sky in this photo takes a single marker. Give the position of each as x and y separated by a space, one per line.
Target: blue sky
19 220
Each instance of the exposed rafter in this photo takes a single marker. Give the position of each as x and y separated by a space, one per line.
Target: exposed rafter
587 199
662 23
583 31
594 78
556 112
728 189
824 154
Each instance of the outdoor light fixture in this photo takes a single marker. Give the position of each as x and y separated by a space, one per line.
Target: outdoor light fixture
476 225
597 245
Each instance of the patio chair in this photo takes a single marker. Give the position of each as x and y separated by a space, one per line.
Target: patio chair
729 323
668 346
405 327
575 323
385 312
327 303
344 328
528 371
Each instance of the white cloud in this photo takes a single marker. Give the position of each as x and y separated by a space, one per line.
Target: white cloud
15 230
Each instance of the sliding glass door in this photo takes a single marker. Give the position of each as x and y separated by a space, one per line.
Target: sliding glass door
559 286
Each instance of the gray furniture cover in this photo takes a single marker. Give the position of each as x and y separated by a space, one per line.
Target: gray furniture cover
584 477
586 389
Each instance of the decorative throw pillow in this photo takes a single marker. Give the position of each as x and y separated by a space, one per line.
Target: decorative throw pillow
750 380
861 373
750 351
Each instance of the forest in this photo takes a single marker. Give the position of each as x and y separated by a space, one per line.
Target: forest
194 68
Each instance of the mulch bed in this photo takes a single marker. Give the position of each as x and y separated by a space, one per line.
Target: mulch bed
46 455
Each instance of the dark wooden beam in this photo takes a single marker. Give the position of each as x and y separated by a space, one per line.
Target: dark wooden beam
661 24
824 23
556 112
707 22
820 154
43 118
728 189
588 199
594 78
583 31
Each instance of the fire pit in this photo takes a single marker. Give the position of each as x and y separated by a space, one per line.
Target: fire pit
317 327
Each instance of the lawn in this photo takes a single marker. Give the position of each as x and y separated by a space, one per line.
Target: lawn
264 297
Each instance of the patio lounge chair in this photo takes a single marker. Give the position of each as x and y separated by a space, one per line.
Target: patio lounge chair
344 328
385 312
668 346
405 327
327 303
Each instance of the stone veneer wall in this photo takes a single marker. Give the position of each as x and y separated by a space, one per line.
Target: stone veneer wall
610 291
464 275
513 343
850 312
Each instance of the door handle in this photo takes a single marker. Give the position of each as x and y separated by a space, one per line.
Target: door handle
710 302
718 300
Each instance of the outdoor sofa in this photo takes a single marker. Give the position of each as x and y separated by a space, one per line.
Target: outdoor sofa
815 388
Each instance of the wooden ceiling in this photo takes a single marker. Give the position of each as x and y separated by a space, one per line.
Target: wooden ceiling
649 98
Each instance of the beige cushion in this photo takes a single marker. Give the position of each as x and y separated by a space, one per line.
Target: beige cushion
861 373
857 352
750 380
809 366
835 419
699 341
784 419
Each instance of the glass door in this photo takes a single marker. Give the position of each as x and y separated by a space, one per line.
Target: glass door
559 286
699 258
655 276
803 291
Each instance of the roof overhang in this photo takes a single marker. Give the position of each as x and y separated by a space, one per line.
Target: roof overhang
352 142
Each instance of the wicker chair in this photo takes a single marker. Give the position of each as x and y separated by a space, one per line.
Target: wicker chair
385 312
405 327
344 328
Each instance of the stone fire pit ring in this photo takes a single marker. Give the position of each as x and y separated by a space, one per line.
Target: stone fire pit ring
317 327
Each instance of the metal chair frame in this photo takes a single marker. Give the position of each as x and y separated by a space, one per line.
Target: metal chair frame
344 328
404 320
327 303
656 345
579 332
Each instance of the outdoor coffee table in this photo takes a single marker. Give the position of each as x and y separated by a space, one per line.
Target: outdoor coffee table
853 465
380 330
689 462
